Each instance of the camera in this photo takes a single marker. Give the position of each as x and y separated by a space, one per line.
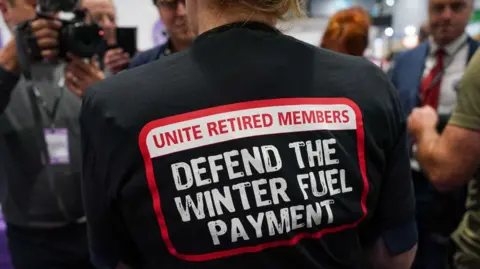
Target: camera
79 38
75 36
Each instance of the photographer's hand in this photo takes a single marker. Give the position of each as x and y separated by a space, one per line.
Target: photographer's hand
8 58
47 31
80 76
116 60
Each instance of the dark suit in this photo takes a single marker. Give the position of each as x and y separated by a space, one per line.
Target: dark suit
149 56
438 214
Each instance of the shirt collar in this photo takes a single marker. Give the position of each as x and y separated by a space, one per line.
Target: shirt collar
450 48
168 48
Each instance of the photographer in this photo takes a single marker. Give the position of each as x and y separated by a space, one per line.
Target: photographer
174 17
80 75
43 208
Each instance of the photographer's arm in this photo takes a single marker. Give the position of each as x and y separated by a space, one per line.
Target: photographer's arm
8 57
8 73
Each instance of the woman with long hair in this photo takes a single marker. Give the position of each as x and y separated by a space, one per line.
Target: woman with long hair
347 31
249 150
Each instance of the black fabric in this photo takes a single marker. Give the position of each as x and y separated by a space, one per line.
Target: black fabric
60 248
8 81
34 197
149 56
234 75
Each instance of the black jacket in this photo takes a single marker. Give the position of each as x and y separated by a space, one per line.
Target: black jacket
31 198
249 150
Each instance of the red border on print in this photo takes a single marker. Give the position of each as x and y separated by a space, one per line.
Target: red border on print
241 106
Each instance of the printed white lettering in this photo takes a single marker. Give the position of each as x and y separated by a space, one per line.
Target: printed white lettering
258 193
269 165
223 200
313 214
198 172
184 210
214 168
343 182
278 187
231 164
296 217
217 228
315 154
238 230
208 201
177 178
254 161
243 193
298 152
257 224
274 225
329 151
313 181
332 181
302 185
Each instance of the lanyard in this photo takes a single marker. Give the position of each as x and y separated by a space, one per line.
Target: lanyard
51 114
440 74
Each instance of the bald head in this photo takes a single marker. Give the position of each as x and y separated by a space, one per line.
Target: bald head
103 13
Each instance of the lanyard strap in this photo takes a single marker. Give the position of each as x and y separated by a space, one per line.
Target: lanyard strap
39 135
51 114
451 58
440 74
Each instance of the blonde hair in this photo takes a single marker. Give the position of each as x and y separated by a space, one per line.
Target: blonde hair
274 7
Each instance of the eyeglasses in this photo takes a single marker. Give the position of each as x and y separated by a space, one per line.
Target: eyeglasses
455 7
171 4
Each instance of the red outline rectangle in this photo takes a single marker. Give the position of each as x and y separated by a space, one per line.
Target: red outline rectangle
241 106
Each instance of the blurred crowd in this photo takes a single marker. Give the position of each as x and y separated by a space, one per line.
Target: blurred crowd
44 217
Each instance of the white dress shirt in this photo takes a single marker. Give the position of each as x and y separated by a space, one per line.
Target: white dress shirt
454 62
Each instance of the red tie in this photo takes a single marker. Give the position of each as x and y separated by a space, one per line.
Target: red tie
430 88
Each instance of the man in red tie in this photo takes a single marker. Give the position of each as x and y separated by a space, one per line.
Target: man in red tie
430 75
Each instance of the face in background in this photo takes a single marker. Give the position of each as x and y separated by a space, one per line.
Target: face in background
448 19
174 16
17 11
103 13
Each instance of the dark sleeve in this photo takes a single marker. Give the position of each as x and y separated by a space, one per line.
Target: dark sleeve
8 81
139 59
103 240
395 213
147 56
392 70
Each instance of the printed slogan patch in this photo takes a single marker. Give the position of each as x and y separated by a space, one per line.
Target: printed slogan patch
251 176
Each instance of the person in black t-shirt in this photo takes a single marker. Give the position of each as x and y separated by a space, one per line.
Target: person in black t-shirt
251 149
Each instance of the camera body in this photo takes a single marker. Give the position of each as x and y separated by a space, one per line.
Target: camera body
79 38
75 36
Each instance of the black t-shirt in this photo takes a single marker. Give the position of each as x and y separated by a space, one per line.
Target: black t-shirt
249 150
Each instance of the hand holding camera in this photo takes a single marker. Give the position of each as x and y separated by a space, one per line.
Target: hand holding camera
80 75
116 60
46 32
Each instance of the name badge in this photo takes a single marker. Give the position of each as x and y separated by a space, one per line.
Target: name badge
57 145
